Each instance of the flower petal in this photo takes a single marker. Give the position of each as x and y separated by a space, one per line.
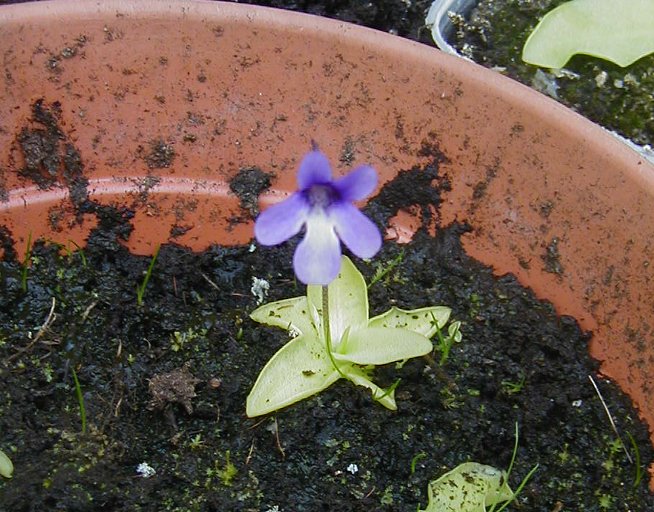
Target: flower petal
358 184
317 258
281 221
314 169
356 231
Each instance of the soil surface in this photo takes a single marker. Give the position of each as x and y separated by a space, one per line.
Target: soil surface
109 404
114 405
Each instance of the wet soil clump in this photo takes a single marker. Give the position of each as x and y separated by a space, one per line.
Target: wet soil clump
50 158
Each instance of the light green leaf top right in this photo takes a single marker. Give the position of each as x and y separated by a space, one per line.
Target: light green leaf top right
620 31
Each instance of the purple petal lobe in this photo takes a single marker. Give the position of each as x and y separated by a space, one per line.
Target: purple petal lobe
314 170
356 231
281 221
317 258
358 184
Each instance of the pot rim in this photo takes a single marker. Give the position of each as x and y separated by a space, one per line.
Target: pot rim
541 105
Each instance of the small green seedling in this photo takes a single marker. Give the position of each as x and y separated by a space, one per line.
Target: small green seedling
621 31
6 466
638 477
383 270
196 442
508 473
80 252
414 462
140 289
80 399
513 387
445 343
350 348
228 473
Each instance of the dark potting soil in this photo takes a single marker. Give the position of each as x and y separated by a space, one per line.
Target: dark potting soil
163 384
405 18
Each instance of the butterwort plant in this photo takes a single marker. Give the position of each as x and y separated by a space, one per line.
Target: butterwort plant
332 335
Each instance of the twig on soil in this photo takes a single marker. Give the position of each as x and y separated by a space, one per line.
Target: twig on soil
608 413
250 452
277 440
206 278
558 506
48 321
117 408
257 423
25 265
214 285
275 430
88 309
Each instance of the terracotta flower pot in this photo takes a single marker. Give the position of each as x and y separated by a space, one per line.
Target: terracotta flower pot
164 101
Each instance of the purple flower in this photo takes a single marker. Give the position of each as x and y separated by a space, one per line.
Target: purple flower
325 207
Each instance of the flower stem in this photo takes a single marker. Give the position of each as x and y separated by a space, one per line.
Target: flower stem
327 331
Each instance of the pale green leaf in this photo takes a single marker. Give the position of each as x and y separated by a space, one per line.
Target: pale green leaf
621 31
6 466
416 320
299 369
348 300
380 345
359 376
470 487
289 314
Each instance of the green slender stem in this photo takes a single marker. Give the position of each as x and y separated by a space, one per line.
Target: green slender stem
327 330
443 344
140 289
515 448
508 474
639 469
80 399
25 267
